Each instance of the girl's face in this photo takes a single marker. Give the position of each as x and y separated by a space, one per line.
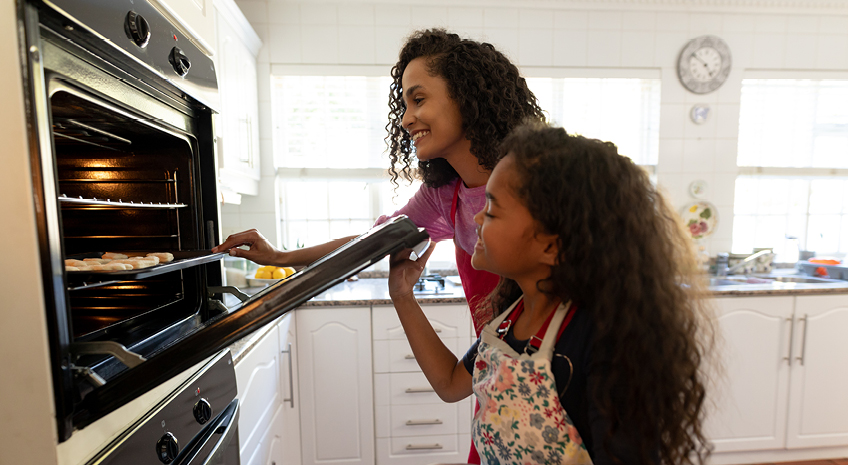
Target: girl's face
509 241
432 117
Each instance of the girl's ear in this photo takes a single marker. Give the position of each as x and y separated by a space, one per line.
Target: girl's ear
550 251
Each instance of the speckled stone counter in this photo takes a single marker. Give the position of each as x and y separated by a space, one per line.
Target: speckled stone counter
367 292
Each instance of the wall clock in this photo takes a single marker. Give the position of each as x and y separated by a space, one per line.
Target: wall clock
704 64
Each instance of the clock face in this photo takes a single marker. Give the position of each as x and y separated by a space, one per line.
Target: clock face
704 64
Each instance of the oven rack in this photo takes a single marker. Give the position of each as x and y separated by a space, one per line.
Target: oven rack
117 204
182 259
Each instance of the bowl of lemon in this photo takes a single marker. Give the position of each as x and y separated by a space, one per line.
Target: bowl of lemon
269 275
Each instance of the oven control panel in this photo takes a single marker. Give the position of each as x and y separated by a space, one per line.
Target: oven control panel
144 38
195 423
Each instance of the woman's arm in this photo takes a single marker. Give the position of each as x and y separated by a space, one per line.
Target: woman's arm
446 374
262 252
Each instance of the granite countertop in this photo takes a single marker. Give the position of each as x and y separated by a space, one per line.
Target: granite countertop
375 291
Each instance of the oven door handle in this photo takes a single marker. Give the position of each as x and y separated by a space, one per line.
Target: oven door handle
225 425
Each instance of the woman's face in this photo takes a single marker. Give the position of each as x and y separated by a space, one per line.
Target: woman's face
432 117
508 241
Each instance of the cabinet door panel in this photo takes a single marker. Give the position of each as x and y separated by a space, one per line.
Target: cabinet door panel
819 405
258 380
334 361
289 429
748 400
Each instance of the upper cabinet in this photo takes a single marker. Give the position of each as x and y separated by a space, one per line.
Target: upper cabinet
237 126
196 19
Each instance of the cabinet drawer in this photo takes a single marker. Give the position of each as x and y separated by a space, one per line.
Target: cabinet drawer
422 450
403 389
422 420
449 321
395 356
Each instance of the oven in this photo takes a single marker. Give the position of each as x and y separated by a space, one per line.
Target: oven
122 147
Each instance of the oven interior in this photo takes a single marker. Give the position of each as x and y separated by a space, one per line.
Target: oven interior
125 184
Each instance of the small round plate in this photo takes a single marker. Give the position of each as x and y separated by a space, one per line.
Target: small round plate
700 218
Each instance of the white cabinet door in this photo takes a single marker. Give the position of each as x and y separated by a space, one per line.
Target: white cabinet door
336 403
289 431
747 402
818 407
237 127
258 378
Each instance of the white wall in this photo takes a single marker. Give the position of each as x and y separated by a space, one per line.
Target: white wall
762 35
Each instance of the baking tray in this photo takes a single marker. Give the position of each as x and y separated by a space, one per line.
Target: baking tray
182 259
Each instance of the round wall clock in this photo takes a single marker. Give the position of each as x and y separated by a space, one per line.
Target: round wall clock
704 64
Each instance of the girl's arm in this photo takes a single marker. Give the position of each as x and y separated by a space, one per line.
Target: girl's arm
446 374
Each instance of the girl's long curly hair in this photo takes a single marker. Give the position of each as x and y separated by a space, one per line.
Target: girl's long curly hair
491 95
624 257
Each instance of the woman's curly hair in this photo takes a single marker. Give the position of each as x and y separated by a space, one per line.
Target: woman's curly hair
491 95
623 257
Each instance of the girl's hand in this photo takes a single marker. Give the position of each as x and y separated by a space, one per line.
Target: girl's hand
403 272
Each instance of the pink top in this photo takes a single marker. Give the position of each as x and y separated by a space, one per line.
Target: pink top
430 209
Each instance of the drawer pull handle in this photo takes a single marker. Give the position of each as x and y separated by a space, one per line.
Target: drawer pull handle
409 357
419 390
423 446
438 330
423 422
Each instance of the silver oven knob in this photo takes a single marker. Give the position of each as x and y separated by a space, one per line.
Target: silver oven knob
137 29
167 448
179 61
202 411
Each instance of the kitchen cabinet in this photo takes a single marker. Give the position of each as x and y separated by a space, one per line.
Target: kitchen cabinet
336 392
748 401
258 378
269 423
195 18
288 432
783 380
818 405
413 425
237 126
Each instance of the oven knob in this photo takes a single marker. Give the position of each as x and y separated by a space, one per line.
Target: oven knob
179 61
167 448
202 411
137 29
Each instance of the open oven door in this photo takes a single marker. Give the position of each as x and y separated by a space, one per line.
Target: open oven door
397 234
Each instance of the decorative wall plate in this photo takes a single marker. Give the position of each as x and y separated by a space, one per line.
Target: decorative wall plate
700 218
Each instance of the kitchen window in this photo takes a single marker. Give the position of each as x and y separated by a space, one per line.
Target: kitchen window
329 150
792 191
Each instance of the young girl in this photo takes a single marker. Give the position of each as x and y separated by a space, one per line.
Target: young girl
595 352
452 102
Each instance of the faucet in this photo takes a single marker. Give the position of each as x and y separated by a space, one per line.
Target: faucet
723 270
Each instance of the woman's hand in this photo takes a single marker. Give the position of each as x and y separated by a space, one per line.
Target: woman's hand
403 272
261 251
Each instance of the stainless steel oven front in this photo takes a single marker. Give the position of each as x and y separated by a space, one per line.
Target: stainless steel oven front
119 105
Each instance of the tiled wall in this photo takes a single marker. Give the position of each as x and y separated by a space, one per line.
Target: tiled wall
647 34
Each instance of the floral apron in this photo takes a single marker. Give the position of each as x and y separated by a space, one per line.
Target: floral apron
521 420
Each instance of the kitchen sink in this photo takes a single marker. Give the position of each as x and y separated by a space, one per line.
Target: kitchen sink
768 279
735 281
802 279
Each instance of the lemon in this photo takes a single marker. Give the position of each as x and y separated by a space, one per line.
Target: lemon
278 274
288 271
269 268
262 274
